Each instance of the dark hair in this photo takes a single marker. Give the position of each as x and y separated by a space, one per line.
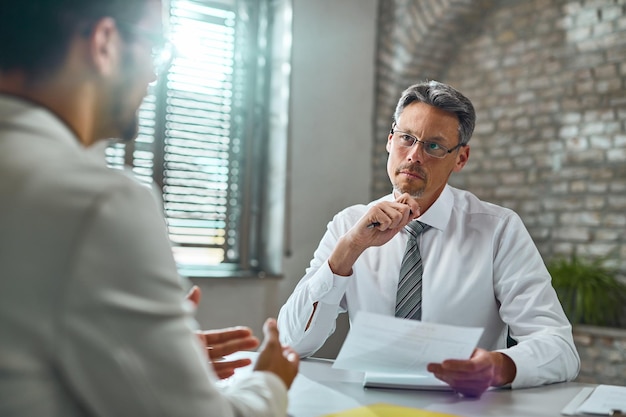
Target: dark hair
35 34
445 98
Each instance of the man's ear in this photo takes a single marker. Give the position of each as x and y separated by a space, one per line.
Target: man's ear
461 158
105 44
388 145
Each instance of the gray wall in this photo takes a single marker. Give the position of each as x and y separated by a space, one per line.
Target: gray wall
551 143
331 127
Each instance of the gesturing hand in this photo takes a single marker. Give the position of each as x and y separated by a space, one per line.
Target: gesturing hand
223 342
280 360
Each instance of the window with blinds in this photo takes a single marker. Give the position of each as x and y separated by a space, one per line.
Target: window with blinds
203 131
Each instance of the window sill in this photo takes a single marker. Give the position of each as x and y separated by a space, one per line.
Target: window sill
221 273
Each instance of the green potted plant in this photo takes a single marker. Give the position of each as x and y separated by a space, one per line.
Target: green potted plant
589 291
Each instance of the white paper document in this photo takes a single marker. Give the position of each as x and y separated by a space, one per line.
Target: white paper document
390 345
603 400
407 381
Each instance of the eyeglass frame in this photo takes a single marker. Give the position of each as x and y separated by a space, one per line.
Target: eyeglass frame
162 49
424 143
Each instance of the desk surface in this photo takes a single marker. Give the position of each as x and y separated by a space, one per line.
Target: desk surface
320 389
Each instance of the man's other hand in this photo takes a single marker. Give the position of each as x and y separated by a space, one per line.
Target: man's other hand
474 376
280 360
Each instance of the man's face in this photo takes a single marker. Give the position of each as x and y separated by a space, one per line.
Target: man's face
136 71
413 171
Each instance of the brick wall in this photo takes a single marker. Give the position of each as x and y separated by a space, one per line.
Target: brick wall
602 354
548 80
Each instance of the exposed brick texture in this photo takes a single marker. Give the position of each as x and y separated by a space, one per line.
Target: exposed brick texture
548 80
602 353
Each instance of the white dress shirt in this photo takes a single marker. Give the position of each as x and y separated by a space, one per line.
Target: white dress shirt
481 269
93 320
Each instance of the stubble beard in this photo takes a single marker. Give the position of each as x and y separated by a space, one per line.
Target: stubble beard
409 187
130 130
125 114
414 193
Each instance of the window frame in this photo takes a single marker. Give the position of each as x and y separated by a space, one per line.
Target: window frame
263 216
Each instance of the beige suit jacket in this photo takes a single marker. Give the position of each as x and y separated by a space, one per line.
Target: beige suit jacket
93 320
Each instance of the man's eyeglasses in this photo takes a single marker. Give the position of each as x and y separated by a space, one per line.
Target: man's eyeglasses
162 57
162 49
434 149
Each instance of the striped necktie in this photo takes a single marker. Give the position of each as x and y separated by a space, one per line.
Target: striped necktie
409 297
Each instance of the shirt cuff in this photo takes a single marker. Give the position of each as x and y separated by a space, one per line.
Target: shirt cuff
260 394
525 369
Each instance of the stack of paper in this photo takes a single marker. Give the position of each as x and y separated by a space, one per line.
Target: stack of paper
394 352
406 381
607 400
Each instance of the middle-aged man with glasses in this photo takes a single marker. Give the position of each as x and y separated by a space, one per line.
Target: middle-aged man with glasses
471 262
93 315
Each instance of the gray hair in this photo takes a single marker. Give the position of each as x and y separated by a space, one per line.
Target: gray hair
445 98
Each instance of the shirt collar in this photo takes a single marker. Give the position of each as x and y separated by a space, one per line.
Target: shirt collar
27 116
438 214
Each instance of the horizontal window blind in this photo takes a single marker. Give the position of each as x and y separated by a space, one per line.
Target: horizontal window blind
188 144
198 176
204 136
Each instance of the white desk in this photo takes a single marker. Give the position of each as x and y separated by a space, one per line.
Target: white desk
320 389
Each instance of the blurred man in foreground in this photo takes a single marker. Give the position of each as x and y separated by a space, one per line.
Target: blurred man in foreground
93 319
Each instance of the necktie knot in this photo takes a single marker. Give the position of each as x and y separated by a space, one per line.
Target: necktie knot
415 228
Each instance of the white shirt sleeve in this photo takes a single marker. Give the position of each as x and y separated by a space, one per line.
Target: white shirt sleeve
125 343
320 285
545 352
257 394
